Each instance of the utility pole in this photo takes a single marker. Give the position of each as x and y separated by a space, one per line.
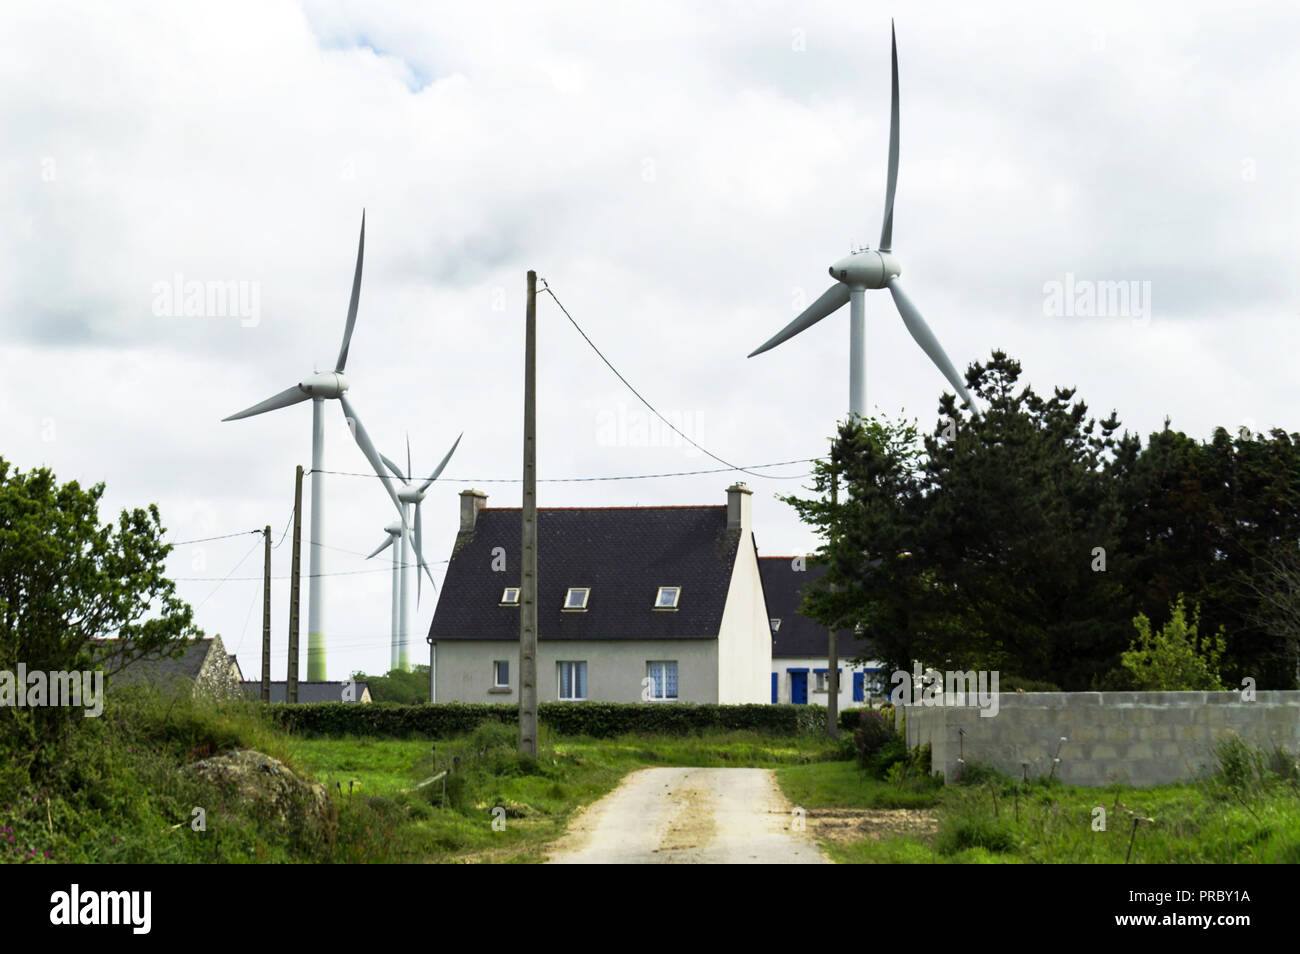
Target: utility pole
266 615
291 686
528 543
833 677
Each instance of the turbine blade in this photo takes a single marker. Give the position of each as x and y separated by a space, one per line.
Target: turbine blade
835 297
419 555
397 471
368 448
285 398
429 483
887 227
382 547
920 331
356 299
410 472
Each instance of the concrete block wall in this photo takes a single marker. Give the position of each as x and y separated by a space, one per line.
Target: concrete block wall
1136 738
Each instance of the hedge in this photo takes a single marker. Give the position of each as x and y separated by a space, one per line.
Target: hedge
599 719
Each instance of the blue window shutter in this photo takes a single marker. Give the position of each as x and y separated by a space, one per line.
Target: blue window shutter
774 695
858 688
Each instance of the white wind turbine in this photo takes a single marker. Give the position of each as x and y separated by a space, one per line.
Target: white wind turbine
320 387
867 268
411 495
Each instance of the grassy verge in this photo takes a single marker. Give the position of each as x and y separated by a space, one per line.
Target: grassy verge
1248 812
120 792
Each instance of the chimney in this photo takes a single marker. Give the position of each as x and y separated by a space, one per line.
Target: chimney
738 513
471 502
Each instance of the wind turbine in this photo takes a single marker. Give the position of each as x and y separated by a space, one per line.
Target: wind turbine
320 387
394 530
865 269
411 495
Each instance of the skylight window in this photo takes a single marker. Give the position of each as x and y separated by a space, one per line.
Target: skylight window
576 598
510 597
668 596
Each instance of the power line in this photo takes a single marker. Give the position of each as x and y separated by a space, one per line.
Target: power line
568 480
181 543
227 576
653 410
239 579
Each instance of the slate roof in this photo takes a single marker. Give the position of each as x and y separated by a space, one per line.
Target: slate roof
307 691
798 636
624 554
160 672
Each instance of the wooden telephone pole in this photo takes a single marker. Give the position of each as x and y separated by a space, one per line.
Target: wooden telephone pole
266 615
291 687
528 547
833 677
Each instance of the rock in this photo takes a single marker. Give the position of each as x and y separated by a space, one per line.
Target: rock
257 779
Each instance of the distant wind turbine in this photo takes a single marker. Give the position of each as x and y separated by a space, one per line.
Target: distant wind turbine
394 531
411 495
320 387
867 268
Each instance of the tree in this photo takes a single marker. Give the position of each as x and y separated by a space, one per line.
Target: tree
1174 659
67 583
398 685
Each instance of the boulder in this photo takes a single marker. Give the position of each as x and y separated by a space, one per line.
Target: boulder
258 779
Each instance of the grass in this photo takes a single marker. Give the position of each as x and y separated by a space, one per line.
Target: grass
1247 812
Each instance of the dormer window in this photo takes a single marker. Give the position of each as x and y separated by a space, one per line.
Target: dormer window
776 624
576 599
667 597
510 597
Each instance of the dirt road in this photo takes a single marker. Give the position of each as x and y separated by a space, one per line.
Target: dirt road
689 816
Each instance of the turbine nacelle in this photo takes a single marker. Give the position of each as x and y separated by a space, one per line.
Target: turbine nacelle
393 529
324 384
410 494
866 269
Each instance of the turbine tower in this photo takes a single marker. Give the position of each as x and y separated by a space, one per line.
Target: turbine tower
319 388
865 269
411 495
394 530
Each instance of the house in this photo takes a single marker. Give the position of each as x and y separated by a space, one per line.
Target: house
634 604
203 668
312 691
800 646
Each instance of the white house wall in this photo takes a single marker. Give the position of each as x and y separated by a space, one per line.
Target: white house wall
745 636
782 665
615 668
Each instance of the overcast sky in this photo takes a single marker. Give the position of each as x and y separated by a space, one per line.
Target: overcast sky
682 175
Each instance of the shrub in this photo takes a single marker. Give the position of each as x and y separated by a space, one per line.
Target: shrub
961 832
871 735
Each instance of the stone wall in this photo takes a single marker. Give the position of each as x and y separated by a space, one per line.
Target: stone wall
1137 738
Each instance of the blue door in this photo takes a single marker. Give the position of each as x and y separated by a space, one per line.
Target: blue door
774 694
859 687
799 687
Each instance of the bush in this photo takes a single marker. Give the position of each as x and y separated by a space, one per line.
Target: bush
872 733
980 773
959 833
595 719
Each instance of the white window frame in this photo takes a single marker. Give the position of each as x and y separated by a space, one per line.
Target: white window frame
677 596
505 596
649 670
568 598
822 681
775 623
496 674
559 679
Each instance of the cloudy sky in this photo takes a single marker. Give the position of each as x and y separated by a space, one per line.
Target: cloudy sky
681 175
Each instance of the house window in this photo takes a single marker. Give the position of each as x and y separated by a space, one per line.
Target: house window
576 598
663 680
820 684
573 680
667 598
501 674
510 597
776 624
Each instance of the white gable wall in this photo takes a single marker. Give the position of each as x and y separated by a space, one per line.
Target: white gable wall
745 636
